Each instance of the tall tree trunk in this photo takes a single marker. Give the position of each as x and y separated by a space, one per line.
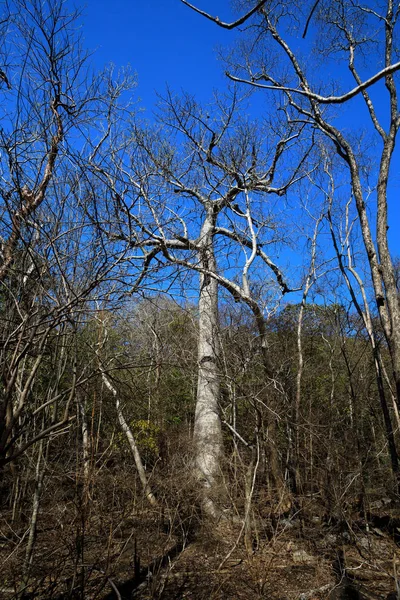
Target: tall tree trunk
208 443
85 440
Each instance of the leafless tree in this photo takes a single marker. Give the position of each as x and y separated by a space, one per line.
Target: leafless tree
192 194
277 56
47 131
357 289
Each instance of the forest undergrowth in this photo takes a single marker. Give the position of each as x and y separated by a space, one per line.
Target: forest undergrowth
100 539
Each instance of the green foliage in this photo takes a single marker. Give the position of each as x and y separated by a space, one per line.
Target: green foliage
146 436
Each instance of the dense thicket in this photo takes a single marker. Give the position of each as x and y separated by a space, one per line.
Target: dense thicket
198 343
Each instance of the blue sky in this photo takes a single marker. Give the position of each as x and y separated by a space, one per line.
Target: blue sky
162 40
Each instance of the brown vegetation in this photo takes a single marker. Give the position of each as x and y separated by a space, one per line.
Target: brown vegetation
240 444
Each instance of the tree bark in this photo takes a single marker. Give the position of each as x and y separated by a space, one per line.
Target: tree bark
208 445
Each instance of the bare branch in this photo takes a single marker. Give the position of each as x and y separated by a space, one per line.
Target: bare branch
317 97
222 24
309 18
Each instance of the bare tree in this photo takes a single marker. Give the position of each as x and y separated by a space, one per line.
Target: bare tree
191 206
277 59
44 139
361 303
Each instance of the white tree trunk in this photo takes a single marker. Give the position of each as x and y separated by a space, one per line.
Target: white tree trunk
85 440
207 428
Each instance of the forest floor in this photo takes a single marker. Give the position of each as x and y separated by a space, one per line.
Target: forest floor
299 556
300 561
